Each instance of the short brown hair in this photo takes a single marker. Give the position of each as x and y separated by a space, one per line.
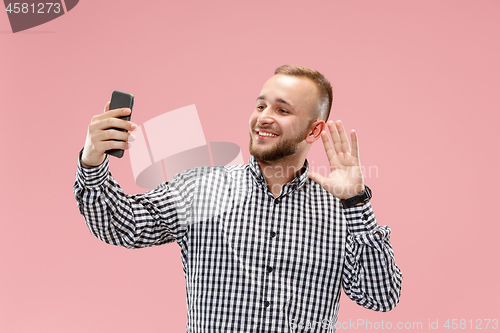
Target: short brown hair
325 93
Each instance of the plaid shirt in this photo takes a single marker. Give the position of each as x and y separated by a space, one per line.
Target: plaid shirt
252 262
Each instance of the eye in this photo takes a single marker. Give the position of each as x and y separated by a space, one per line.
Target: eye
283 111
260 107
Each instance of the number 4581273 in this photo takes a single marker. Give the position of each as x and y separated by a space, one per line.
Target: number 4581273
24 8
478 324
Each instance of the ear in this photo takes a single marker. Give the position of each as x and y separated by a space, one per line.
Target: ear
315 130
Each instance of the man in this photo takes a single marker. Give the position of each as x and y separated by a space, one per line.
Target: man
265 246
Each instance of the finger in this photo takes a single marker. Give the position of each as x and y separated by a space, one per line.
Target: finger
330 152
335 137
112 144
112 134
106 108
107 123
354 144
121 112
316 177
343 137
102 145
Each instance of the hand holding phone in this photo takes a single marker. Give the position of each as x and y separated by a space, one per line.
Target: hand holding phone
108 131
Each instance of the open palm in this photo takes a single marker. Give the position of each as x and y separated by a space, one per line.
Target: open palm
346 178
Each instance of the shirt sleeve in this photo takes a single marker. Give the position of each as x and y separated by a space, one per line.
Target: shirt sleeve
371 277
133 221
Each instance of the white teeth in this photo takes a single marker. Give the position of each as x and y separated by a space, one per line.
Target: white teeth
266 134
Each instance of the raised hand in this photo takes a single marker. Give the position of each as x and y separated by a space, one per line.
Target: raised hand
346 178
101 135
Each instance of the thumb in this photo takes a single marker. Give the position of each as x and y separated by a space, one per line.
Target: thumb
317 177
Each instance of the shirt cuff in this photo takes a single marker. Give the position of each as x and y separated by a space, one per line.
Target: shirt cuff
92 176
360 218
363 228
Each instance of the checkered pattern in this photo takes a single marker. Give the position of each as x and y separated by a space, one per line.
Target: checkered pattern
252 262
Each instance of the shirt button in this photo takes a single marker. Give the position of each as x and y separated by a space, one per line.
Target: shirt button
266 304
273 234
365 217
276 201
269 269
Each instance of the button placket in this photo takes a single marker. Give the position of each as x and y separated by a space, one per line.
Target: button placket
269 269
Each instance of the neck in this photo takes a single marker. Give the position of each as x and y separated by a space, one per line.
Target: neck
278 173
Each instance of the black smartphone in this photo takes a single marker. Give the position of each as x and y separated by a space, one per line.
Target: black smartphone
120 99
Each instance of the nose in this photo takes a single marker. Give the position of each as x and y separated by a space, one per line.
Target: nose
265 117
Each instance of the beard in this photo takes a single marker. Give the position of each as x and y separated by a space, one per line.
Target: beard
281 149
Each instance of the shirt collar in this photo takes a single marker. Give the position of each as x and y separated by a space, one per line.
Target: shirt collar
297 182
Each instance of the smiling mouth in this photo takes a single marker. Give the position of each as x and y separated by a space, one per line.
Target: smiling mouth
266 134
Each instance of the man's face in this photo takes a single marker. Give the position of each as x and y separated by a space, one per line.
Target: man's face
280 122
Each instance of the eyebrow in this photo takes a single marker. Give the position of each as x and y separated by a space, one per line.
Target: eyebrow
278 100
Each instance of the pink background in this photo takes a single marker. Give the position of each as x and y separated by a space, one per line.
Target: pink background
418 80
